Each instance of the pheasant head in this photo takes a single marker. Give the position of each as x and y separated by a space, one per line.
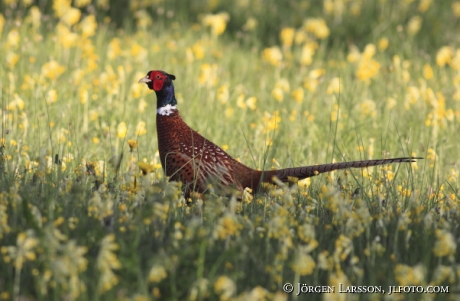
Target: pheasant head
161 82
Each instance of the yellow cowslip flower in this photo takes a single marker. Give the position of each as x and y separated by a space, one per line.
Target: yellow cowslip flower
251 102
306 56
225 287
13 38
369 51
208 76
383 44
455 9
82 3
16 103
146 168
157 273
334 86
272 55
2 23
114 49
24 249
138 52
444 56
354 55
240 102
65 36
414 25
88 26
317 26
51 96
71 16
11 59
60 7
298 95
198 50
228 112
140 128
271 122
407 275
251 24
106 262
367 69
303 264
316 73
132 144
287 36
143 19
424 5
217 22
278 94
445 244
427 71
52 70
223 94
228 225
122 129
391 102
368 107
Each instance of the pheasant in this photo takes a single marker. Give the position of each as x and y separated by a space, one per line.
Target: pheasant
188 157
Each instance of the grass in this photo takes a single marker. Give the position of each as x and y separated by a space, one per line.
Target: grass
79 220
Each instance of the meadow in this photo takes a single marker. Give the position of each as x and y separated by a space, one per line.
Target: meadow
87 214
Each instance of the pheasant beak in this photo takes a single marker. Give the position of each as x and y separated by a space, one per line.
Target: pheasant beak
145 80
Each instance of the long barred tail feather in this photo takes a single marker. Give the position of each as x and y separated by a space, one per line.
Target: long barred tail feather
310 171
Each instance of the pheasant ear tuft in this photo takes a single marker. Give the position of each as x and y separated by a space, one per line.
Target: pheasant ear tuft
171 76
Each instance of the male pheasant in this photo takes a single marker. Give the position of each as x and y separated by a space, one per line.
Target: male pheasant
188 157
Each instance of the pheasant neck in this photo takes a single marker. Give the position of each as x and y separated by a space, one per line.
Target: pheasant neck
166 100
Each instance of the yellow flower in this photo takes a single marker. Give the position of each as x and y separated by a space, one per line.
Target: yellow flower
225 287
368 107
82 3
71 16
298 95
217 22
145 167
52 70
303 264
427 71
250 24
272 55
251 102
140 128
407 275
287 36
157 273
88 26
367 69
2 23
121 130
445 244
51 96
383 44
278 94
444 56
424 5
67 38
455 10
317 26
60 7
11 59
114 49
132 144
107 261
334 86
414 25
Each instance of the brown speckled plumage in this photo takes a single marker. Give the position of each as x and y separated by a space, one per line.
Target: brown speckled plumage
188 157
